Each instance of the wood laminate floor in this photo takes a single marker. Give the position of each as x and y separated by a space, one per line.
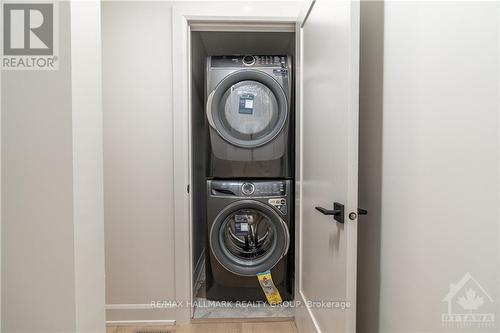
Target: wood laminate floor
215 327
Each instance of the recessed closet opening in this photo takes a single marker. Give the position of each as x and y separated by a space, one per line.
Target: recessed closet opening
242 212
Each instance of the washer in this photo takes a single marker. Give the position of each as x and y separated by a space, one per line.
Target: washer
250 230
250 116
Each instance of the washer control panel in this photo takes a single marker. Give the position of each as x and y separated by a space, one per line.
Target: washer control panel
270 188
249 60
250 188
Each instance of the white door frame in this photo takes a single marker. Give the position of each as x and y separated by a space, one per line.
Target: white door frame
183 15
304 318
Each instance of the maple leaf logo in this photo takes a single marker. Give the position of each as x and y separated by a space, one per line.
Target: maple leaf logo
470 301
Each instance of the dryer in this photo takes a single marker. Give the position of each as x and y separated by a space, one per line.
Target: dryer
249 109
250 230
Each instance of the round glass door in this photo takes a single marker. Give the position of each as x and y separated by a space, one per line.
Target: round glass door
248 238
248 108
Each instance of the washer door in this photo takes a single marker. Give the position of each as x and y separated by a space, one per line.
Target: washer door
249 237
248 108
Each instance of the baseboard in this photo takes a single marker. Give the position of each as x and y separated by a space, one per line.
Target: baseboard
140 322
138 306
140 314
127 306
242 320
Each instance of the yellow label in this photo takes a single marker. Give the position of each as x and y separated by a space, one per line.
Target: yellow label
266 282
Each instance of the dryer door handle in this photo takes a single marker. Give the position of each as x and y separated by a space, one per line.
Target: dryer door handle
210 117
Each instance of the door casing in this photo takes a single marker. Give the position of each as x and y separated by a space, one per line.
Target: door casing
212 18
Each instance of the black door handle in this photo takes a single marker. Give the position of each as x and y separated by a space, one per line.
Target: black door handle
337 212
325 211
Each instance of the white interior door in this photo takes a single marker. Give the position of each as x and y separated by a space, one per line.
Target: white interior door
328 97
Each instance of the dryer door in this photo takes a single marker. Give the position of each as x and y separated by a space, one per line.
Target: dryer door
249 237
248 108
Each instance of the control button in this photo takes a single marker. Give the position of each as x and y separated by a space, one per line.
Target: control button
249 60
247 188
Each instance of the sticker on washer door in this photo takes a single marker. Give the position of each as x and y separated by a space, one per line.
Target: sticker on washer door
246 103
241 224
269 288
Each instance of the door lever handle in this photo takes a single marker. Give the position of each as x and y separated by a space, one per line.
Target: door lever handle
325 211
337 211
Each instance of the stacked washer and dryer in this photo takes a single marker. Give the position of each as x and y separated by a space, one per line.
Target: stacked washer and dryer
249 202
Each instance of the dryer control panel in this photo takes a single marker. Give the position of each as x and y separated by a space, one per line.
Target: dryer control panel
250 188
250 60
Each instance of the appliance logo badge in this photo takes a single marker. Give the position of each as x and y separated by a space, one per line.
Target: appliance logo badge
468 305
29 36
281 72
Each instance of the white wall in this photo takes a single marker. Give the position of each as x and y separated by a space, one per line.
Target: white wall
52 228
138 144
37 229
429 160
